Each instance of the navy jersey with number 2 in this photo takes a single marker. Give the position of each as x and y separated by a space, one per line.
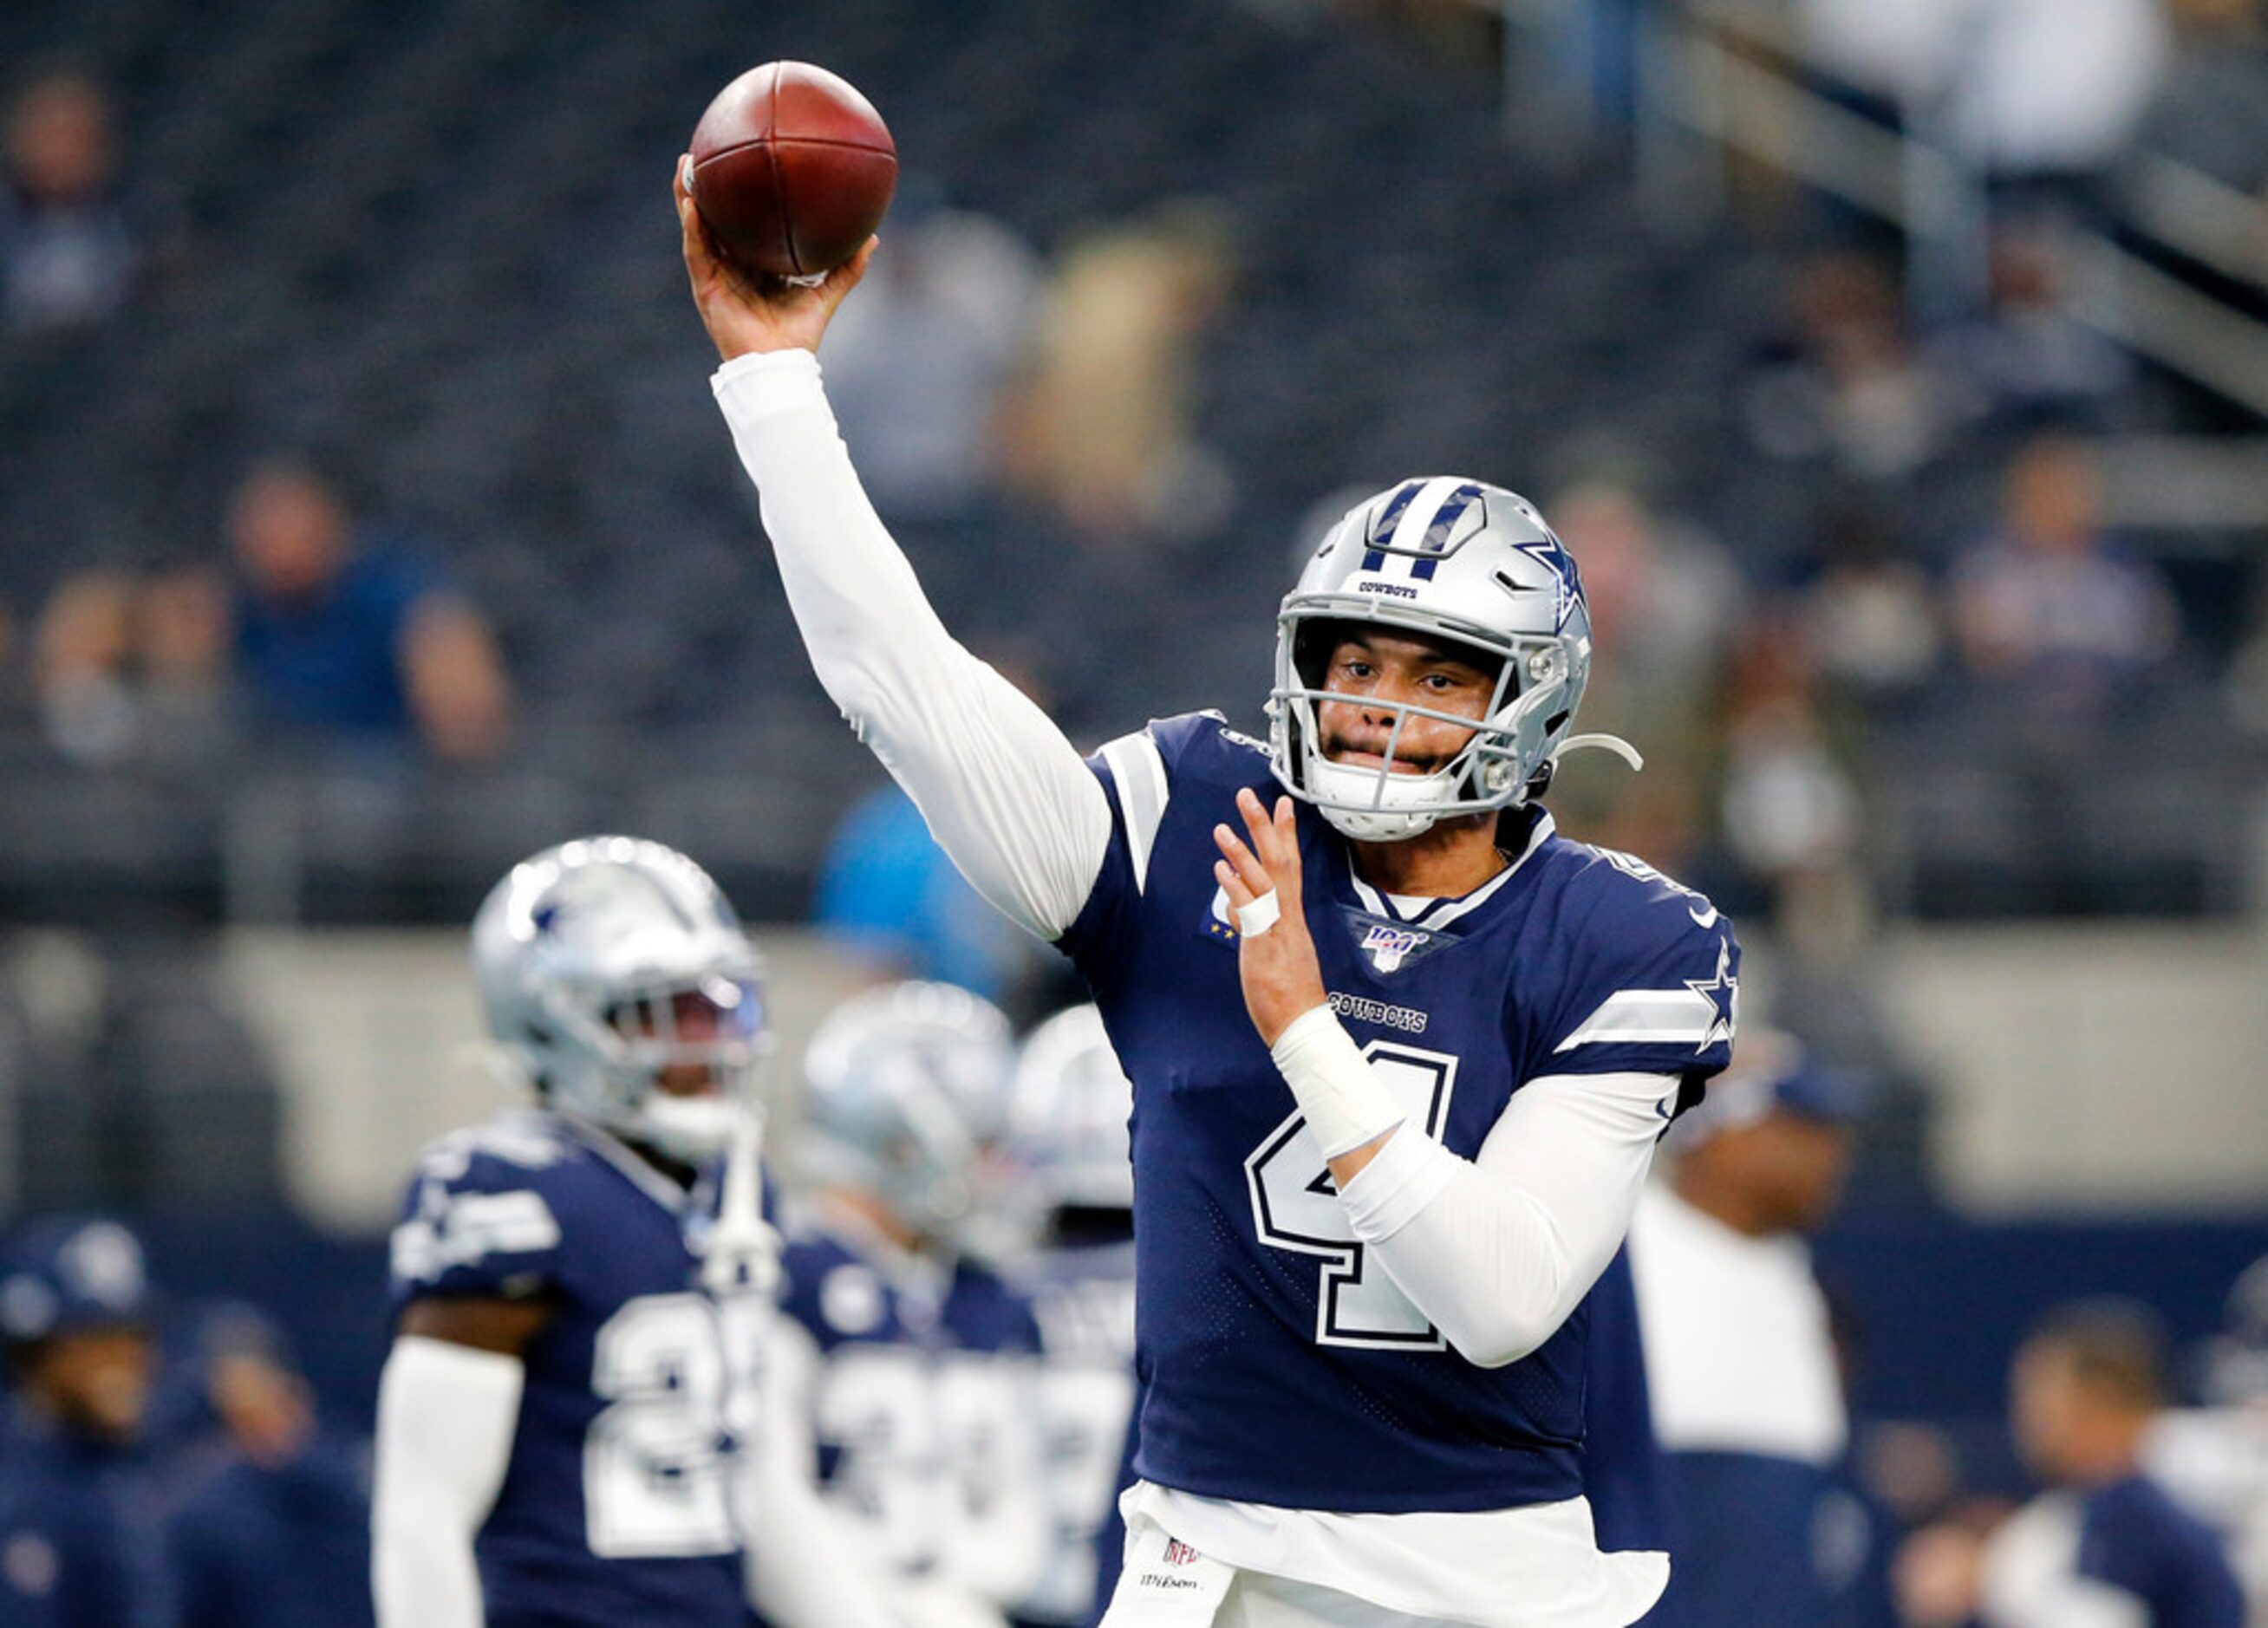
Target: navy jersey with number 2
1281 1365
619 1506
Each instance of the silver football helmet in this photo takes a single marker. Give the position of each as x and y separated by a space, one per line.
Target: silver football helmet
1451 559
1067 1122
906 1095
618 981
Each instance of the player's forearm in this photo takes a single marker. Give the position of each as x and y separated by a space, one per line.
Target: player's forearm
800 1572
1004 792
446 1414
1498 1250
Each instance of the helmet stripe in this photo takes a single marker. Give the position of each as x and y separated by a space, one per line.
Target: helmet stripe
1445 520
1380 534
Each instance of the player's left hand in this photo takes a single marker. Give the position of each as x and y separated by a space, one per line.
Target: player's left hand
1282 977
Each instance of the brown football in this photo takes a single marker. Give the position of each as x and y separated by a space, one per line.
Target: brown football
792 169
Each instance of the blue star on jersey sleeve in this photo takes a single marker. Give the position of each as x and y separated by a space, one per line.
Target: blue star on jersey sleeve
1656 989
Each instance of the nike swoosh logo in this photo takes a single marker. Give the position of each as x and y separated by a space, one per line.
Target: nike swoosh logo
1703 919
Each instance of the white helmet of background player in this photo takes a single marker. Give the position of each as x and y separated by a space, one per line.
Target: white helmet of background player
1068 1122
905 1097
608 964
1450 559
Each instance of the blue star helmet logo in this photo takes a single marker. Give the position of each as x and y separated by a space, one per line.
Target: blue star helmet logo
1723 994
1567 592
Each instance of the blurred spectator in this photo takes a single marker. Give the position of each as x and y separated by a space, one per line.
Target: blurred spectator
129 667
916 364
68 255
269 1515
333 634
2027 360
1870 613
1664 599
1791 810
341 633
2048 93
2049 607
1102 429
78 1544
1848 385
2105 1543
1740 1359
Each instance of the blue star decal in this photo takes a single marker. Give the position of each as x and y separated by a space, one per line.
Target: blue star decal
1723 993
1567 593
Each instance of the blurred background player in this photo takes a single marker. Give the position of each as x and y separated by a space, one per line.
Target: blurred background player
268 1512
80 1545
2104 1544
1741 1358
568 1423
911 1362
1068 1133
2213 1456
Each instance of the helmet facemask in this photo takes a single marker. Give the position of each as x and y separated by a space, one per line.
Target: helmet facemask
1386 803
672 1064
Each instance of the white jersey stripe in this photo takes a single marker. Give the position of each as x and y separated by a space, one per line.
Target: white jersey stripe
1647 1017
1140 773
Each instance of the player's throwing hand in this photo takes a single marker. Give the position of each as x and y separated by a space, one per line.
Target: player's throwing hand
1275 953
745 318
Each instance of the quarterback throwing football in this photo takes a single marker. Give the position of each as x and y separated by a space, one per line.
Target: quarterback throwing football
1400 1052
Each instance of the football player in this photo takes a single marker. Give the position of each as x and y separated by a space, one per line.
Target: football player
570 1421
1400 1052
1067 1129
909 1359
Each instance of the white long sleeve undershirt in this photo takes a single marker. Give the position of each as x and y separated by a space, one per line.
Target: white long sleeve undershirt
1004 793
446 1414
1496 1250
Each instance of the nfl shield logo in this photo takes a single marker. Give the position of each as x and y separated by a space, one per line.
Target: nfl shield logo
1387 946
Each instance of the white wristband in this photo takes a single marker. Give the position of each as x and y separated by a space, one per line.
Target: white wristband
1258 916
1346 1103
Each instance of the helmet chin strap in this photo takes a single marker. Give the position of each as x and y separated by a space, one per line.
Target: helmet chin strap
1615 744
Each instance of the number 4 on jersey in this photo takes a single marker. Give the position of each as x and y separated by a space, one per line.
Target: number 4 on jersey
1295 1206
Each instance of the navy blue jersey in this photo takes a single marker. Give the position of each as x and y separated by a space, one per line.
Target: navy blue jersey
79 1542
1083 1297
920 1402
1625 1475
284 1545
618 1505
1281 1365
2134 1538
